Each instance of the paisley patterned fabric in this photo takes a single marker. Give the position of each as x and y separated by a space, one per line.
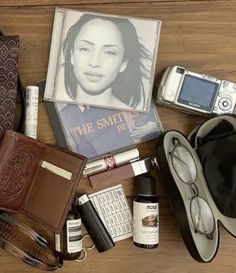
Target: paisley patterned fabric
9 52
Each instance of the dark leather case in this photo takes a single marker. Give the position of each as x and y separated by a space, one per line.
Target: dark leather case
199 246
38 179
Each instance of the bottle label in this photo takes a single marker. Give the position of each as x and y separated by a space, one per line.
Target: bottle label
58 242
31 114
74 242
146 223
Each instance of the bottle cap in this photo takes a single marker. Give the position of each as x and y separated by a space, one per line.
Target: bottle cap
145 185
32 88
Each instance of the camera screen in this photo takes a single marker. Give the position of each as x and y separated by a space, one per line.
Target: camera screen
197 92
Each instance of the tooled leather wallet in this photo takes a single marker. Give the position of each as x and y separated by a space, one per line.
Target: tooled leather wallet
38 180
9 53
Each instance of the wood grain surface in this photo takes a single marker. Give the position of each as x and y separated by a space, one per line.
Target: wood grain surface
199 35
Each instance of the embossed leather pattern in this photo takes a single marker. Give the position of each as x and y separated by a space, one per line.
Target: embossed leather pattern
28 187
9 53
18 166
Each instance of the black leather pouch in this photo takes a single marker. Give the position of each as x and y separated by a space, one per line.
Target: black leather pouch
200 177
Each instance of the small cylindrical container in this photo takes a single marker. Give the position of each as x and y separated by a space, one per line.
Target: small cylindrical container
68 243
31 115
94 225
145 213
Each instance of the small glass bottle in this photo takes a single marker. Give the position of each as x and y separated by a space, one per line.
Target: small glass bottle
68 244
145 213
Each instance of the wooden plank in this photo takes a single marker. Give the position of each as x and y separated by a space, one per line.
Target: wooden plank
196 34
19 3
192 35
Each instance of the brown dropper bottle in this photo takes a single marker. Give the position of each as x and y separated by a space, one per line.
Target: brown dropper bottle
145 213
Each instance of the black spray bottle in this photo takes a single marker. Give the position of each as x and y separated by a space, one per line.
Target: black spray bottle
145 213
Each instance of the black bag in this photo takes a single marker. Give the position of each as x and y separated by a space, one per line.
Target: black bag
200 178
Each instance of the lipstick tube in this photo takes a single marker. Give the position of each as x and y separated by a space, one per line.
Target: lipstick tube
110 161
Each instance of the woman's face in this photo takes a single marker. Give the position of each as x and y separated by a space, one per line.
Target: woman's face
98 55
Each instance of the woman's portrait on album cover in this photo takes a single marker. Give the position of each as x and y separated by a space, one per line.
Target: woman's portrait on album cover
106 61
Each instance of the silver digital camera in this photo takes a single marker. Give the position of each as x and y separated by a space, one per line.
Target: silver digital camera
193 92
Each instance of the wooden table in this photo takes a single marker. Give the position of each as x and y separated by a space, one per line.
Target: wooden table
199 35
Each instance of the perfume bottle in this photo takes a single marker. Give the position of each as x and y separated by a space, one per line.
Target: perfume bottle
68 244
145 213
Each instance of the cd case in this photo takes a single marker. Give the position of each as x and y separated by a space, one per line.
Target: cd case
102 60
93 132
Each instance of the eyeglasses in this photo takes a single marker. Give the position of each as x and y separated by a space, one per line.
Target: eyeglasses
185 168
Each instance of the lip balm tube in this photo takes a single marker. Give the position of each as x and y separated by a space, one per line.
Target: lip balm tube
94 225
31 118
120 173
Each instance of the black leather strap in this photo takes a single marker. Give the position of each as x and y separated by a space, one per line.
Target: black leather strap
21 91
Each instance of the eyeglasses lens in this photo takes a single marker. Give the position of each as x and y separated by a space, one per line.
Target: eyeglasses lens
202 216
185 167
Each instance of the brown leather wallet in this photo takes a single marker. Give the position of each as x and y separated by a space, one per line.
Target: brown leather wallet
9 53
38 179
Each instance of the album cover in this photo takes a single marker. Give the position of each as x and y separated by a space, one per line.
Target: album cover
93 132
102 60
